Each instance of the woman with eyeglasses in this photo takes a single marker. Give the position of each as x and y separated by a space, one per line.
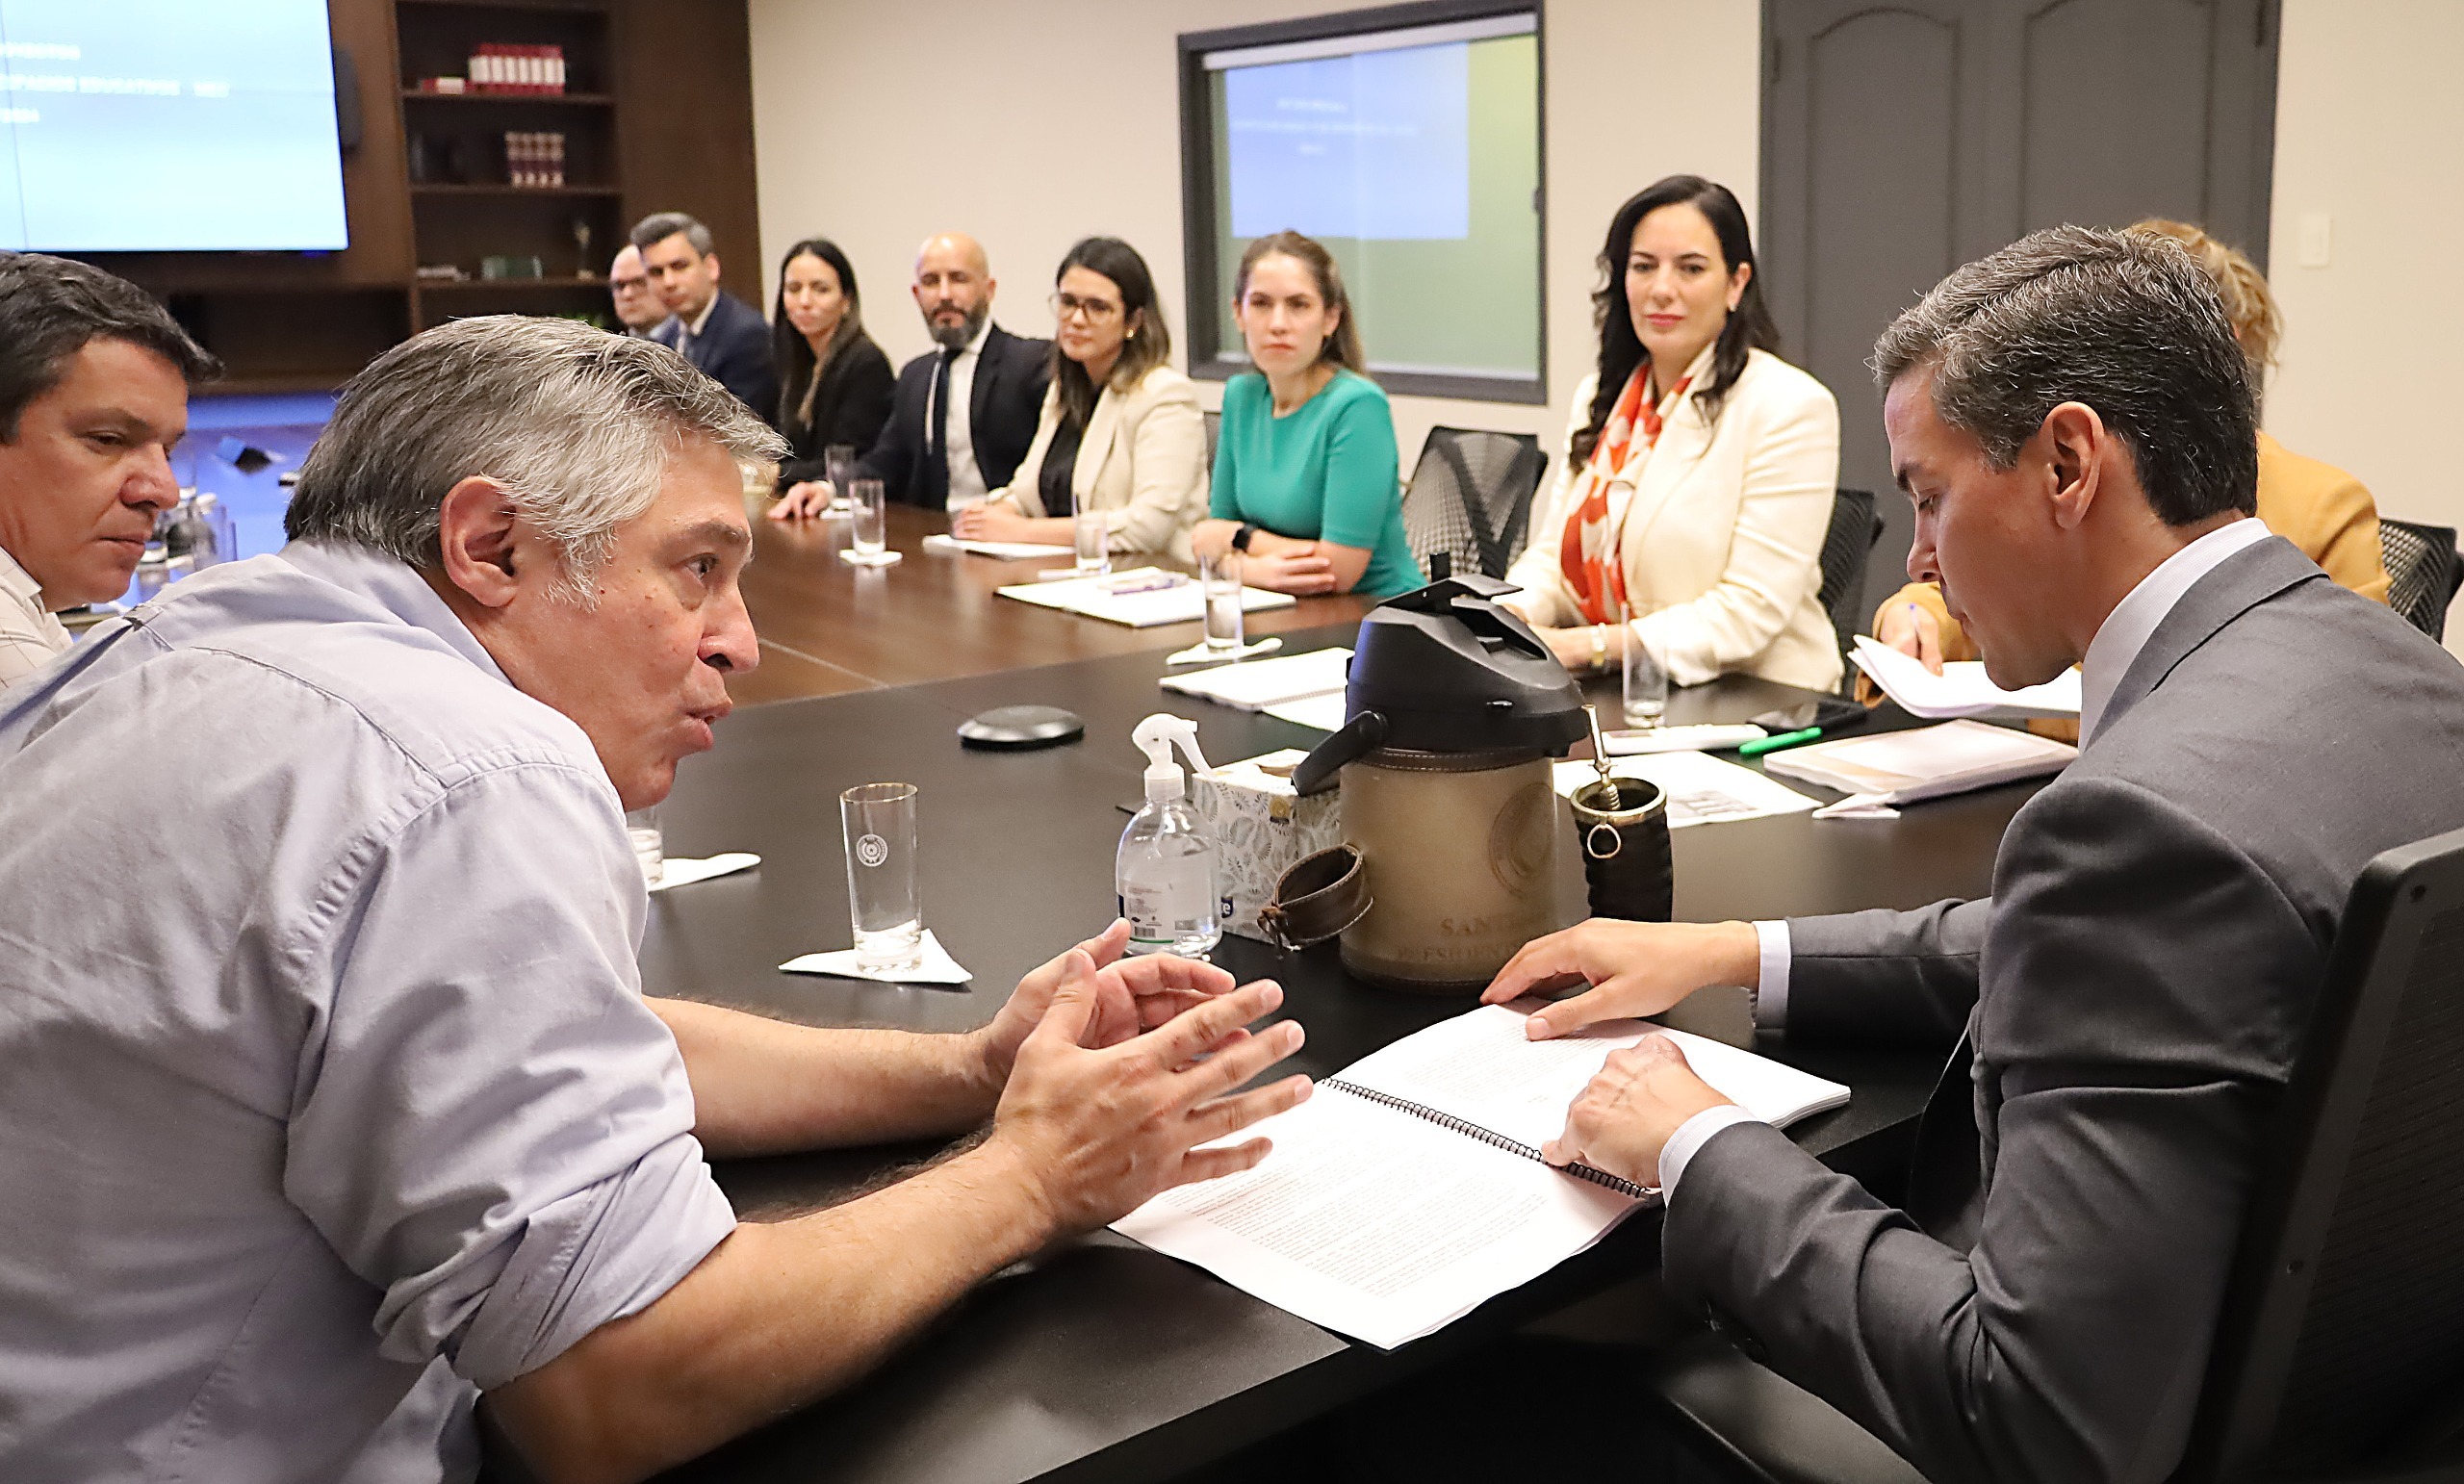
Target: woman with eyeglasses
1306 479
834 383
1120 432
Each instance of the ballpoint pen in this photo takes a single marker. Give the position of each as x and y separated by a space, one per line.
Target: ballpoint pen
1798 738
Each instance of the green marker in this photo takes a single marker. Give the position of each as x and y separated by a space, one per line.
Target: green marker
1762 745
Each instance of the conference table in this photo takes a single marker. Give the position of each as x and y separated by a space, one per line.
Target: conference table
1100 1360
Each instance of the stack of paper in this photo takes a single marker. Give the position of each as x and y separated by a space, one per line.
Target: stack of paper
1001 551
1141 597
1902 767
1409 1189
1258 684
1702 789
1961 689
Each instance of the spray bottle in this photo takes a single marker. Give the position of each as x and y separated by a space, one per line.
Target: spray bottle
1166 870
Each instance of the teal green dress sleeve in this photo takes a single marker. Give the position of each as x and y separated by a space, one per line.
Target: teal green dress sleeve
1362 492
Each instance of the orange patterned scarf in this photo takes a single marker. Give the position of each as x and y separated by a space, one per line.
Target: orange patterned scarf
1588 551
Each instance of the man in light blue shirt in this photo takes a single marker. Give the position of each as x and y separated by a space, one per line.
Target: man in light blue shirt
323 1054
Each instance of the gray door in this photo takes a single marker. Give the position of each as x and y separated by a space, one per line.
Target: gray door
1903 139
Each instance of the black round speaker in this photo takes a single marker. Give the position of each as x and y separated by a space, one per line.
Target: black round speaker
1021 729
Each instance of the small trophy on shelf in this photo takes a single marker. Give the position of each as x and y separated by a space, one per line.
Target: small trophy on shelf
581 248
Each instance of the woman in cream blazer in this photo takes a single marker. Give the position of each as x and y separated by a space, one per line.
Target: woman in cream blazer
1134 442
1717 518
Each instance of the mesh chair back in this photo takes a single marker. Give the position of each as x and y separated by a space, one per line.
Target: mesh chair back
2423 572
1214 434
1471 498
2342 1335
1845 546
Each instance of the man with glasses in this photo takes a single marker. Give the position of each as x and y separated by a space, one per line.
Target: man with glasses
638 310
965 411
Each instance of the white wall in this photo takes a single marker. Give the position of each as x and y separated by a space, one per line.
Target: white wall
1033 125
2370 135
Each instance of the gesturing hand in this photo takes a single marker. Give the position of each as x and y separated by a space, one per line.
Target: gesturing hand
1626 1117
1131 995
1913 629
1630 968
1098 1132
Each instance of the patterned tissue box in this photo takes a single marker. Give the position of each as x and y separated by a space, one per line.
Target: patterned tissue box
1262 828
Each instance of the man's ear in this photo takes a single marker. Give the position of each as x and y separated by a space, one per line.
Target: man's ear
474 531
2076 442
712 259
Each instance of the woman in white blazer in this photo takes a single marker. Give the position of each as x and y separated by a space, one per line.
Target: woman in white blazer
1699 468
1120 432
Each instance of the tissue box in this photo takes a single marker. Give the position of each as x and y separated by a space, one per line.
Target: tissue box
1262 828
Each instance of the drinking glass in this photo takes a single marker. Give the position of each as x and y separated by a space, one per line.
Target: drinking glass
869 537
879 822
1646 682
838 466
650 844
1094 542
1221 577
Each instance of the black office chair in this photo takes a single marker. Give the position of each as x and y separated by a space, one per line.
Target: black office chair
1214 436
1471 498
2338 1355
2423 572
1845 547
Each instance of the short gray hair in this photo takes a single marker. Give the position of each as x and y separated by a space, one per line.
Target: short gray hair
659 227
578 426
2125 323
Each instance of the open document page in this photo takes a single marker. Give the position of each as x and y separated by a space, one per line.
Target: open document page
1385 1224
1961 689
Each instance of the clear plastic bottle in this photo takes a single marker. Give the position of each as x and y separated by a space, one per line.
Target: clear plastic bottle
1166 873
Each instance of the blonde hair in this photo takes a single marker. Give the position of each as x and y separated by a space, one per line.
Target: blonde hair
2256 324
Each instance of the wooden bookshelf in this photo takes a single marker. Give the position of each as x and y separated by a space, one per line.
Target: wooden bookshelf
658 115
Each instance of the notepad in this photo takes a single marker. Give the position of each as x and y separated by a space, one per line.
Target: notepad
1903 767
1000 551
1253 685
1409 1189
1962 689
1120 599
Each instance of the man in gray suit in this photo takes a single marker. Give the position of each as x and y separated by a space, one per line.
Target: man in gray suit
2074 424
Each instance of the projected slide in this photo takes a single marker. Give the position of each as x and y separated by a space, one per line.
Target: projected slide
1376 144
165 125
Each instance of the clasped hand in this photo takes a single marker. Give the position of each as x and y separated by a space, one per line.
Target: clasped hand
1638 1100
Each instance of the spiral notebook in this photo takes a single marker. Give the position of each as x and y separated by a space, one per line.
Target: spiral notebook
1410 1189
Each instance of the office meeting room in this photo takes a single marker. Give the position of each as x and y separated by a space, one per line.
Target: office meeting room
1202 741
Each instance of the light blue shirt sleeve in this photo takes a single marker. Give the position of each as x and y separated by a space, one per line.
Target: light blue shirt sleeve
498 1131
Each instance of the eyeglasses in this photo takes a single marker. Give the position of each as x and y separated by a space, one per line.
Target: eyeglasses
1069 306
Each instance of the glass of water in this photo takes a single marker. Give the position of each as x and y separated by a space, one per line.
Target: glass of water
650 844
1220 579
838 466
870 515
879 821
1094 539
1646 682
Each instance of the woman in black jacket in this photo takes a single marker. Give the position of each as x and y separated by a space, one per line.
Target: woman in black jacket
835 384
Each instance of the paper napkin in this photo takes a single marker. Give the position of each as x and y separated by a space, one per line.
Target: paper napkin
684 871
1199 654
934 967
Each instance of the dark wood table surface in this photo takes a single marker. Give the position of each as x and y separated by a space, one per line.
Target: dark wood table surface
828 628
1101 1360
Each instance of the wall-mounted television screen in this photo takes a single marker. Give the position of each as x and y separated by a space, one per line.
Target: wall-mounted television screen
169 126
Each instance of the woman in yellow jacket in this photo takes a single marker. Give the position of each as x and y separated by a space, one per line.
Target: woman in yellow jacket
2316 506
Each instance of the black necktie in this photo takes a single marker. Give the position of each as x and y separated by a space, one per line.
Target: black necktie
937 430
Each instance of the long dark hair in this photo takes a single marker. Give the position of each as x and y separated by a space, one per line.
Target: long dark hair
1150 343
798 366
1342 347
1621 349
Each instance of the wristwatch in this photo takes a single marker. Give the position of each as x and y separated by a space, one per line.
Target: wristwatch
1599 646
1240 537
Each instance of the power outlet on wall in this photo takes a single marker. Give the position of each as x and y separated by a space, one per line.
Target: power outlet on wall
2318 239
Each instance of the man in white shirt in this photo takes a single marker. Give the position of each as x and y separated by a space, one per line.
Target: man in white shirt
2074 424
95 380
333 1063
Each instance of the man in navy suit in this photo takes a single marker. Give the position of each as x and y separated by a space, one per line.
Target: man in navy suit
719 333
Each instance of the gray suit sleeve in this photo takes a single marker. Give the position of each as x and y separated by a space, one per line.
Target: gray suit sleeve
2149 984
1886 976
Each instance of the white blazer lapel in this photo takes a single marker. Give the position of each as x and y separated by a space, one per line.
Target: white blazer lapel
1683 439
1103 428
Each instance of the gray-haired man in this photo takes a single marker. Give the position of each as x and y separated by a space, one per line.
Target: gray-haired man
337 1063
2073 421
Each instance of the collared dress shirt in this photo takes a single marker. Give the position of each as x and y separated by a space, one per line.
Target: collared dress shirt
322 1052
29 635
966 480
2124 633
